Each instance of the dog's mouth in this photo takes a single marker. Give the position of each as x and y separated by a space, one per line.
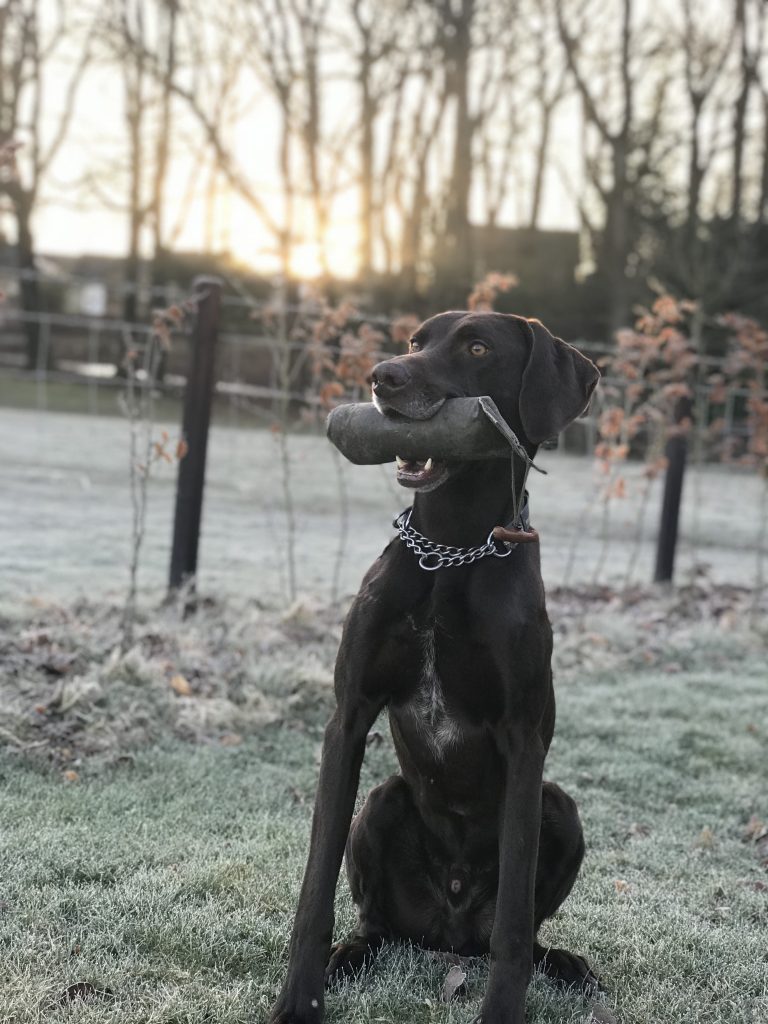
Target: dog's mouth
422 474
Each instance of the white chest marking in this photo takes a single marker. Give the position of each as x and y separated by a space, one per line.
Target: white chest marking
438 729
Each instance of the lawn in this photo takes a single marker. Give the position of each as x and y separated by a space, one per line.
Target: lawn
65 514
162 878
155 803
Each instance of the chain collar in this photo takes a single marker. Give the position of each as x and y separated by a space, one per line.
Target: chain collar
433 556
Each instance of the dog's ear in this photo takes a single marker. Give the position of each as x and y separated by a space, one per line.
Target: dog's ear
556 385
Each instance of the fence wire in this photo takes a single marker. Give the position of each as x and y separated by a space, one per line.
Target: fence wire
586 538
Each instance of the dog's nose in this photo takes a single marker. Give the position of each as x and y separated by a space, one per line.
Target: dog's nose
389 376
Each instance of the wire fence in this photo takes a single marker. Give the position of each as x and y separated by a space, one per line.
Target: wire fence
80 367
89 350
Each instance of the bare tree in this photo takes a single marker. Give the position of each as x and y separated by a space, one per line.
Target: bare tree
616 138
455 250
550 87
133 184
705 51
34 49
382 66
623 84
167 55
750 21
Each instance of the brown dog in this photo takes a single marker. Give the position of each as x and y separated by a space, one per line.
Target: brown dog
465 849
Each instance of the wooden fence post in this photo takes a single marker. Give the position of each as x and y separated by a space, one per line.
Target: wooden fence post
677 454
198 397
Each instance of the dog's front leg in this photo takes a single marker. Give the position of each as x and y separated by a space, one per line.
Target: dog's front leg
301 998
512 935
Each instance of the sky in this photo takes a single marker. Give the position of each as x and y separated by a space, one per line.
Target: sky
76 216
73 217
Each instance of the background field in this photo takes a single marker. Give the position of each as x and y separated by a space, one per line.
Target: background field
64 513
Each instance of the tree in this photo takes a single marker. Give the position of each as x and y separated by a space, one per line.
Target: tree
381 70
610 80
35 49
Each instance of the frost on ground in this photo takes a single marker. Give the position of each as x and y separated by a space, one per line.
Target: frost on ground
65 514
67 691
231 669
163 887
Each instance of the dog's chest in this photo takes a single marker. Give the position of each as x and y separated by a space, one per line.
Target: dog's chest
436 726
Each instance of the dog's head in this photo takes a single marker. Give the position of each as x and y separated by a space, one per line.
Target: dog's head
538 382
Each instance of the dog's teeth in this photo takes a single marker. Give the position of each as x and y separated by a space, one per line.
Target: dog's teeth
428 465
401 463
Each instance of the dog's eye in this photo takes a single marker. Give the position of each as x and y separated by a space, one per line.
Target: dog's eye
414 346
478 348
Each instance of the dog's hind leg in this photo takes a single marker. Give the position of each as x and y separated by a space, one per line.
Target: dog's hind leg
561 851
352 957
366 866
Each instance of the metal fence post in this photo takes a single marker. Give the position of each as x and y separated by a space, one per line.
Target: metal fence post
677 454
198 397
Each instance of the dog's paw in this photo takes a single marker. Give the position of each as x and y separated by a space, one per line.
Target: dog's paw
349 959
569 971
296 1009
491 1017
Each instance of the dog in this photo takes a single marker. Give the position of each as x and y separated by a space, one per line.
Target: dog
466 849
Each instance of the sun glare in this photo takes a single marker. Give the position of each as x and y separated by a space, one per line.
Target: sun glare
305 261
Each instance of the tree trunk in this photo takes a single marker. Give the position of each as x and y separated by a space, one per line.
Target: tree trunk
616 244
695 175
456 257
739 117
541 163
132 263
762 213
368 114
286 239
162 152
29 284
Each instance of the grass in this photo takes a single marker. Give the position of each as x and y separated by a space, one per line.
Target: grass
168 882
64 506
152 843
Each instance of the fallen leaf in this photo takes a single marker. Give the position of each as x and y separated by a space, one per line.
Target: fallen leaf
180 685
754 830
621 886
70 775
231 739
706 839
454 984
638 829
602 1015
